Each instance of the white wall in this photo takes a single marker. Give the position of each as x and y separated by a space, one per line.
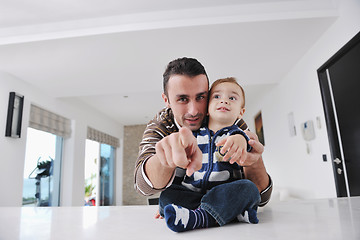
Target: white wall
13 150
291 167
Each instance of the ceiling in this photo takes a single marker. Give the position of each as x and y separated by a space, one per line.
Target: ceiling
111 54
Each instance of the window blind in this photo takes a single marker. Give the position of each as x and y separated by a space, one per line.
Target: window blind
47 121
101 137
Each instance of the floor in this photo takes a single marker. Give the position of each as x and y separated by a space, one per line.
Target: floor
337 218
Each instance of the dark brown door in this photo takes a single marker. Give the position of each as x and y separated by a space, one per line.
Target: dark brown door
339 80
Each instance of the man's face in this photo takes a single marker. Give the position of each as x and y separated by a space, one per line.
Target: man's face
187 97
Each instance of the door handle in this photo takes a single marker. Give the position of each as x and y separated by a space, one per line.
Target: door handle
337 161
339 171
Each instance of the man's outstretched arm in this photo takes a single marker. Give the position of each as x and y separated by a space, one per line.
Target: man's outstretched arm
255 170
176 150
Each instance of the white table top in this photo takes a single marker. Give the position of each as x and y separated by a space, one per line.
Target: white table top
310 219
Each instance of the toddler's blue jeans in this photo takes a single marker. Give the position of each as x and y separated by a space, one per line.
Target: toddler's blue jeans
223 202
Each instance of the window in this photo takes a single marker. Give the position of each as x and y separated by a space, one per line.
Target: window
91 172
99 168
43 157
99 174
106 174
42 169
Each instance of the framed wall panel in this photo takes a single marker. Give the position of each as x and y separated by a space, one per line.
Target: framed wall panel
14 116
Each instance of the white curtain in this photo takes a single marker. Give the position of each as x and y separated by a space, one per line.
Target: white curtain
101 137
47 121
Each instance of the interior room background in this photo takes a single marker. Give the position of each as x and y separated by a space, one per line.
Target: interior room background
296 165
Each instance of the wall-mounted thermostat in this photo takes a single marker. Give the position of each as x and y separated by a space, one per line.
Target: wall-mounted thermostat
308 131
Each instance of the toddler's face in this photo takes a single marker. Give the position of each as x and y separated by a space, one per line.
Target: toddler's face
225 102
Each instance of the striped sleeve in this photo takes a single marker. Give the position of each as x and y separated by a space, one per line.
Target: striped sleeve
241 124
158 128
266 193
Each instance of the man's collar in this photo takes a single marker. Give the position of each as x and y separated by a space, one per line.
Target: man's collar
176 123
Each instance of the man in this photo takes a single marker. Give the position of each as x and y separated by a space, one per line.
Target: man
168 147
217 194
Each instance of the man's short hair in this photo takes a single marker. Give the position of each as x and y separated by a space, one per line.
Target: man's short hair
183 66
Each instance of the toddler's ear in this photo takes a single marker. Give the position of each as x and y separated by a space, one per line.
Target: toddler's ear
242 111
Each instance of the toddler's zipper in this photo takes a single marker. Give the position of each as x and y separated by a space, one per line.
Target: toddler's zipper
210 160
